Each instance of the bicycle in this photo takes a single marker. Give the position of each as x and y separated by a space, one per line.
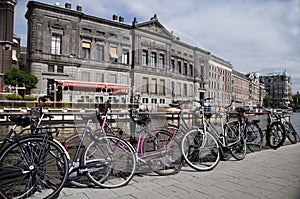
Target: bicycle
33 165
291 133
254 136
275 132
203 146
158 148
108 161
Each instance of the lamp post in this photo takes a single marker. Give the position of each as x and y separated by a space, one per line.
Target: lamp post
133 27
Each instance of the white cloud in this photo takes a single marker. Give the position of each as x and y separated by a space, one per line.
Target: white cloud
252 35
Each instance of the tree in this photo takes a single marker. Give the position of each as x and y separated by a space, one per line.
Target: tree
296 100
267 101
16 77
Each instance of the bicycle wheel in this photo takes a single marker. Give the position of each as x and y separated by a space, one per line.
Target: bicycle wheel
254 137
34 167
110 161
76 178
163 151
291 132
276 135
235 142
200 150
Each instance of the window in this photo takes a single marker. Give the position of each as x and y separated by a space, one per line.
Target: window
162 87
173 88
145 58
178 89
145 100
153 59
85 76
86 50
99 52
154 86
154 101
185 91
191 70
86 30
172 69
185 69
113 54
56 44
112 78
179 66
161 60
51 68
100 33
99 77
145 86
125 56
60 69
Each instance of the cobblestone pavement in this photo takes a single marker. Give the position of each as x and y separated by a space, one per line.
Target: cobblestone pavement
267 174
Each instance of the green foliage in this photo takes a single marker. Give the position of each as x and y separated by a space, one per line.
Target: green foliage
29 98
267 101
22 64
296 99
31 81
14 77
13 97
17 77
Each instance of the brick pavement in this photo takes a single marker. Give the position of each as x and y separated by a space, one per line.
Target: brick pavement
269 174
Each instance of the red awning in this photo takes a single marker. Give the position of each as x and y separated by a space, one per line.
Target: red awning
119 92
91 86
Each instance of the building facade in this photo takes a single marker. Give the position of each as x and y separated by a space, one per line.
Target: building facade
67 49
219 86
6 37
240 87
279 88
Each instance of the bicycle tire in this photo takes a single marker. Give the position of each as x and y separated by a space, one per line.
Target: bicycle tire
276 135
110 161
164 152
33 167
254 137
291 133
235 142
75 178
200 150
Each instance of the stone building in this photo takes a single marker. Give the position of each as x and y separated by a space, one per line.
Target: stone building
240 87
257 90
219 86
7 41
79 57
279 88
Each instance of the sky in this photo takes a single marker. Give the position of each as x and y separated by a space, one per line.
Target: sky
253 35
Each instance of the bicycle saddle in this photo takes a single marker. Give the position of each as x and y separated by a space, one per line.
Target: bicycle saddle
90 116
240 110
142 119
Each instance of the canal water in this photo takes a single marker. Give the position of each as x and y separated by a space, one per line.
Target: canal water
294 119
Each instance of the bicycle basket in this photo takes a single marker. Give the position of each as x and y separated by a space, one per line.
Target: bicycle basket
20 120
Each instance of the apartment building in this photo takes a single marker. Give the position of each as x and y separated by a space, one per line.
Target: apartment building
240 87
279 88
219 82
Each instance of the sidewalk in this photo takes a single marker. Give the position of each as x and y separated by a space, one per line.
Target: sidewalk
267 174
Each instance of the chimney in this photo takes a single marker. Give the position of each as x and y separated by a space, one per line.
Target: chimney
115 17
121 19
68 5
79 8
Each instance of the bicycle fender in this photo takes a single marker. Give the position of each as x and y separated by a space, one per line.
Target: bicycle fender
63 148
